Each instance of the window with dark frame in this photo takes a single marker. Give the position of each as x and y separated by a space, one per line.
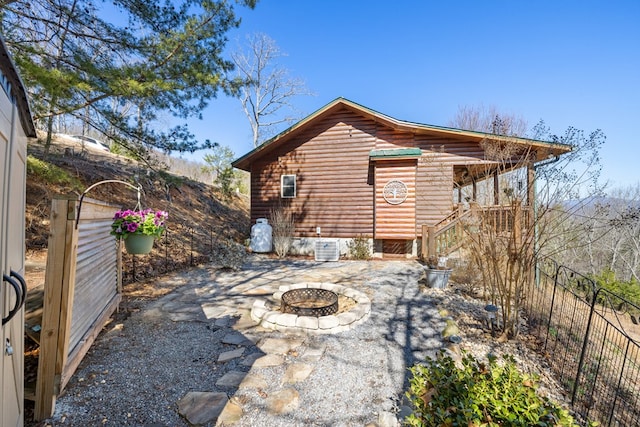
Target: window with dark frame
288 186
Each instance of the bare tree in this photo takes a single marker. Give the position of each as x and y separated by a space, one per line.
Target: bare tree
266 89
284 226
489 119
609 235
507 247
506 243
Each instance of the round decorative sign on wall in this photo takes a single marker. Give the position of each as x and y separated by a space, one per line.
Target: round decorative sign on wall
395 192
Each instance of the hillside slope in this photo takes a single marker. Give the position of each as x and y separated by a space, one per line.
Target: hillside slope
201 223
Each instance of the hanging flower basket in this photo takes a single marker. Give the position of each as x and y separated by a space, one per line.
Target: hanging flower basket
138 229
139 244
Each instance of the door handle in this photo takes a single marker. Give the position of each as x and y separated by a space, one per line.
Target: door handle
21 294
23 285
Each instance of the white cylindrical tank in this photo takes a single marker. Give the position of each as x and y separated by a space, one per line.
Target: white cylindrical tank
261 240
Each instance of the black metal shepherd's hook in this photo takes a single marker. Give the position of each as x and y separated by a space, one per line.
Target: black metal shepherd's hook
138 188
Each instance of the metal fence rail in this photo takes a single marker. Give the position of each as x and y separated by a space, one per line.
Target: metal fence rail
189 247
590 337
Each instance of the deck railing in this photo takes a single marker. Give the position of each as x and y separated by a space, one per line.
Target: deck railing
448 235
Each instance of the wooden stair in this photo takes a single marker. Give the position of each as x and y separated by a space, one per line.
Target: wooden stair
448 235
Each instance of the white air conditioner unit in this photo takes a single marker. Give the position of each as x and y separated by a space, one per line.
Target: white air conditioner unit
327 250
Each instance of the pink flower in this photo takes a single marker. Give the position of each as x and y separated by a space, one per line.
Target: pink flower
147 222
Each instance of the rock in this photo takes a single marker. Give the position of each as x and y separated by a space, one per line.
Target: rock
253 380
280 345
307 322
314 353
297 372
347 318
223 322
328 322
183 317
202 407
387 419
236 338
244 321
405 411
231 379
284 401
250 359
229 355
213 311
230 415
268 360
287 320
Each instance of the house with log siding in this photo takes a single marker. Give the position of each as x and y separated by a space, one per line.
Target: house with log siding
348 171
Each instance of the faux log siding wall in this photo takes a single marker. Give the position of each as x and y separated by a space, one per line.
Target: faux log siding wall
335 177
434 173
434 178
395 221
334 186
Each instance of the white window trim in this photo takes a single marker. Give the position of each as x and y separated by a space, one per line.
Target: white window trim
295 186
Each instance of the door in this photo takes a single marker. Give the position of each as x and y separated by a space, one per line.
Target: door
12 250
395 200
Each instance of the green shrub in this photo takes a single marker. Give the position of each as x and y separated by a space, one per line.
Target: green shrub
51 174
629 290
477 395
225 180
169 179
359 248
124 152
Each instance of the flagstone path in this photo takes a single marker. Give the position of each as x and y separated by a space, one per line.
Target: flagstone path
266 377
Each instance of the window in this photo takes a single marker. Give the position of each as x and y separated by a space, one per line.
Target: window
288 186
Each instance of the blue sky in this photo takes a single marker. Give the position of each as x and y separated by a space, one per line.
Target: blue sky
569 63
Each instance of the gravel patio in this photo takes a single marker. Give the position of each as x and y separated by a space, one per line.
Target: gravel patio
195 356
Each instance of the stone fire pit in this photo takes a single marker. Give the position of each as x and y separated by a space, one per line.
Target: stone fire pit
309 302
263 312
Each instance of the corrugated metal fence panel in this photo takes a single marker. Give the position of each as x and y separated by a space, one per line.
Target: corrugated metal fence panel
96 270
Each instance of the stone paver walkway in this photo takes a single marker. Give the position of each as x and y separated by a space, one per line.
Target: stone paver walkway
270 377
234 295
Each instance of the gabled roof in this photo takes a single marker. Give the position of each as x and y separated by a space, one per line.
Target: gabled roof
15 90
245 161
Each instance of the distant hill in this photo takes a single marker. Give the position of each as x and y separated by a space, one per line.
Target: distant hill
591 203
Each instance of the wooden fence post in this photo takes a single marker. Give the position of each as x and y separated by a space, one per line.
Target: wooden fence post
58 302
517 225
431 231
423 242
80 256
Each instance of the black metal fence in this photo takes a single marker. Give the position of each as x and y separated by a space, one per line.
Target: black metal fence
183 246
590 336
